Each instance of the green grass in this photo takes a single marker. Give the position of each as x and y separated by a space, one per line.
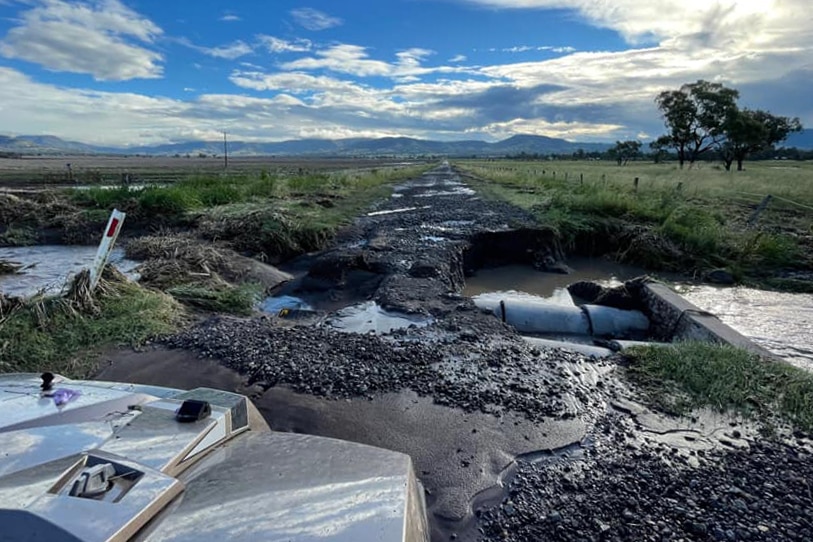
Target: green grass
206 191
690 375
702 212
238 300
18 237
53 335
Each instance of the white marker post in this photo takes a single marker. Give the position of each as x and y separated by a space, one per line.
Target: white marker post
111 233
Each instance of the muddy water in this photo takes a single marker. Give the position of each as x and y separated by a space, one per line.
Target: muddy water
780 322
49 267
522 278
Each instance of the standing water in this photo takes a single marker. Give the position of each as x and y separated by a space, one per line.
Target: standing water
47 268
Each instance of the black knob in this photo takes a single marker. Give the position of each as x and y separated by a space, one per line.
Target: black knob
47 378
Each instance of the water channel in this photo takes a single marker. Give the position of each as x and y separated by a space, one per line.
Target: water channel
780 322
47 268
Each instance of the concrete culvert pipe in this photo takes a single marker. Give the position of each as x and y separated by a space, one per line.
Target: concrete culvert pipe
531 316
610 322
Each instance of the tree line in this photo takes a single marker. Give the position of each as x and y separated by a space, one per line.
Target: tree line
704 117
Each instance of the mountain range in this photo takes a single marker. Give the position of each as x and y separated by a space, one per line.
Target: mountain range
401 146
392 146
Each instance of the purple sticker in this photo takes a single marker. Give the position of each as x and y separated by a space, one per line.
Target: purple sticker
63 396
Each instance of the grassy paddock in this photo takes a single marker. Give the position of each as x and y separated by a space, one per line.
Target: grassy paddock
702 211
689 375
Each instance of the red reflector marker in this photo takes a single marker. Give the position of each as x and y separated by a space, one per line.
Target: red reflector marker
114 225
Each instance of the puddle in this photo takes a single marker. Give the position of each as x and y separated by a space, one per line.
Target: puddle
52 265
461 191
369 317
780 322
395 211
273 305
433 239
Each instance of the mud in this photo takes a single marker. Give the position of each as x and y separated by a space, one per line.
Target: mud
511 441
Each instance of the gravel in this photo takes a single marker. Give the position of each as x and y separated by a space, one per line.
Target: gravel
759 494
457 365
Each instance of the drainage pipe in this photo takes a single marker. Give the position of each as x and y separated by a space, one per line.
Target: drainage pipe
611 322
534 316
531 316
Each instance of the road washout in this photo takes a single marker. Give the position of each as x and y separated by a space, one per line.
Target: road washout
511 441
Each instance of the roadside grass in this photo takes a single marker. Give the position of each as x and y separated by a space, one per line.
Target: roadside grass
201 191
692 375
703 212
18 237
65 335
239 300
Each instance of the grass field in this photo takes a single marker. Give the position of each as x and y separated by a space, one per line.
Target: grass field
692 219
44 171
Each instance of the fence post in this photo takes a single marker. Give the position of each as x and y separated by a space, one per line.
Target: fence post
636 184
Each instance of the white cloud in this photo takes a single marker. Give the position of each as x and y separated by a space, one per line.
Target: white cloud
526 48
230 18
355 60
103 38
458 58
313 19
662 19
229 51
294 82
277 45
563 130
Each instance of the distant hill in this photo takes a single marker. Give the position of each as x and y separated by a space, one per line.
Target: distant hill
801 140
399 146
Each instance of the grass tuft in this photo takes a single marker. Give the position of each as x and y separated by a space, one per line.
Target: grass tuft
229 299
64 335
689 375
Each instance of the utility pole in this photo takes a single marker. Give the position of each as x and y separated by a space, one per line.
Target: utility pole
225 151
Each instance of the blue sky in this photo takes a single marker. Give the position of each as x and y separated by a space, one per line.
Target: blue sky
130 72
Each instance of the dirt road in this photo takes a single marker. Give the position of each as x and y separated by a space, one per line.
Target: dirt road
511 442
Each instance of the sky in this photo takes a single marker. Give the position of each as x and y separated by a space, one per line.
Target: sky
140 72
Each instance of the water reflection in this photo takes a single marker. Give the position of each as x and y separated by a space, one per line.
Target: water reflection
49 267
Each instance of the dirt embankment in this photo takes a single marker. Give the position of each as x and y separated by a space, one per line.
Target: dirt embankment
511 442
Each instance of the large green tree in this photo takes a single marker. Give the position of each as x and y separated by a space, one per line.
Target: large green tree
695 116
749 131
624 151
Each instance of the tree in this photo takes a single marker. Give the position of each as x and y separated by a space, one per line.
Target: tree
695 116
624 151
659 147
748 132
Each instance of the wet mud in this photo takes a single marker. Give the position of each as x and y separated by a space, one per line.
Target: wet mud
511 441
